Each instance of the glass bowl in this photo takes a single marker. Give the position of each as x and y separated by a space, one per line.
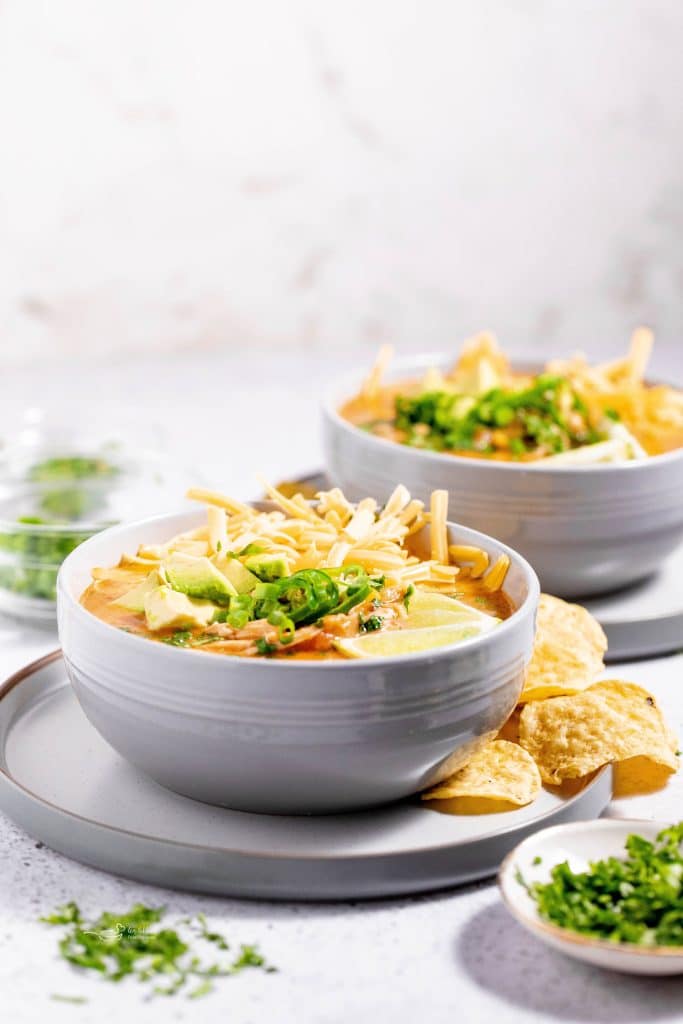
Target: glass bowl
60 483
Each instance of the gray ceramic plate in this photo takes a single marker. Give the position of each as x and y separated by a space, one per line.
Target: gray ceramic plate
646 619
641 621
61 782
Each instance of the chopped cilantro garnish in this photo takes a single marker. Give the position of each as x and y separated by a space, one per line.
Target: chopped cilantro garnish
537 860
638 899
184 638
181 638
407 596
517 446
547 416
369 625
63 496
263 647
135 944
71 467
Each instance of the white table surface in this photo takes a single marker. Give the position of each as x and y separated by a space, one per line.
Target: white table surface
453 956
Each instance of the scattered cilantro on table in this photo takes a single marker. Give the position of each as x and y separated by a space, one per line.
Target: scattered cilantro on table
136 944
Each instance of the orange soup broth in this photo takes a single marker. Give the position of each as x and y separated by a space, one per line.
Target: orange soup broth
99 596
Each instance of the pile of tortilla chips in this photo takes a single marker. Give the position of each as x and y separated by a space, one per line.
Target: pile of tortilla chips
565 726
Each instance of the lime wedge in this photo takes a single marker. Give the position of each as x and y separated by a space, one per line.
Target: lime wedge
434 609
390 642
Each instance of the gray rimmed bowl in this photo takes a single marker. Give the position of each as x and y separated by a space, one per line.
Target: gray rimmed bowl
289 737
585 529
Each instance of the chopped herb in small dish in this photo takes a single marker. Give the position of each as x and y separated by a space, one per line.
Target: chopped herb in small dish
608 892
57 499
637 899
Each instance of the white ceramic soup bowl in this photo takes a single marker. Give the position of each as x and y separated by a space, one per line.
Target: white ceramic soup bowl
585 529
283 736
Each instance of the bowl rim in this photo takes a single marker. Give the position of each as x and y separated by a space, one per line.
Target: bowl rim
105 629
534 922
341 392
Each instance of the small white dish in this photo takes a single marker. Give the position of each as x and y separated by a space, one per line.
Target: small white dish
578 843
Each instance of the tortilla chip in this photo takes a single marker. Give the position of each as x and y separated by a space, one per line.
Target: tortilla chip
472 805
611 721
616 692
462 756
638 776
568 651
501 771
510 729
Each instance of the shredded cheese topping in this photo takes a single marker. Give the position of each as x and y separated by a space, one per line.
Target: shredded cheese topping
333 532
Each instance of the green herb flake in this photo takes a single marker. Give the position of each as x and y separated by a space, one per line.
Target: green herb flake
74 1000
371 624
407 596
185 638
544 418
537 860
637 899
181 638
136 944
264 648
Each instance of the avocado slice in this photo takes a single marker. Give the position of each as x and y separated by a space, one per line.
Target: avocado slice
267 567
168 609
134 600
198 577
242 580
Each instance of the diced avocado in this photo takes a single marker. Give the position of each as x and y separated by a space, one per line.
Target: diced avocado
198 577
267 567
242 580
168 609
134 600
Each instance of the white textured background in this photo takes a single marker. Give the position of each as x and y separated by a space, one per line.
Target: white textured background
324 175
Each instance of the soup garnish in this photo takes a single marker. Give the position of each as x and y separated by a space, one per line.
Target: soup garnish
571 413
313 580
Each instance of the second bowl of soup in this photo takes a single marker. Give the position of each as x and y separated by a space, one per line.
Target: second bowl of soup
579 468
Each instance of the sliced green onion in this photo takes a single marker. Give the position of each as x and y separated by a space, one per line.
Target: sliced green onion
285 627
